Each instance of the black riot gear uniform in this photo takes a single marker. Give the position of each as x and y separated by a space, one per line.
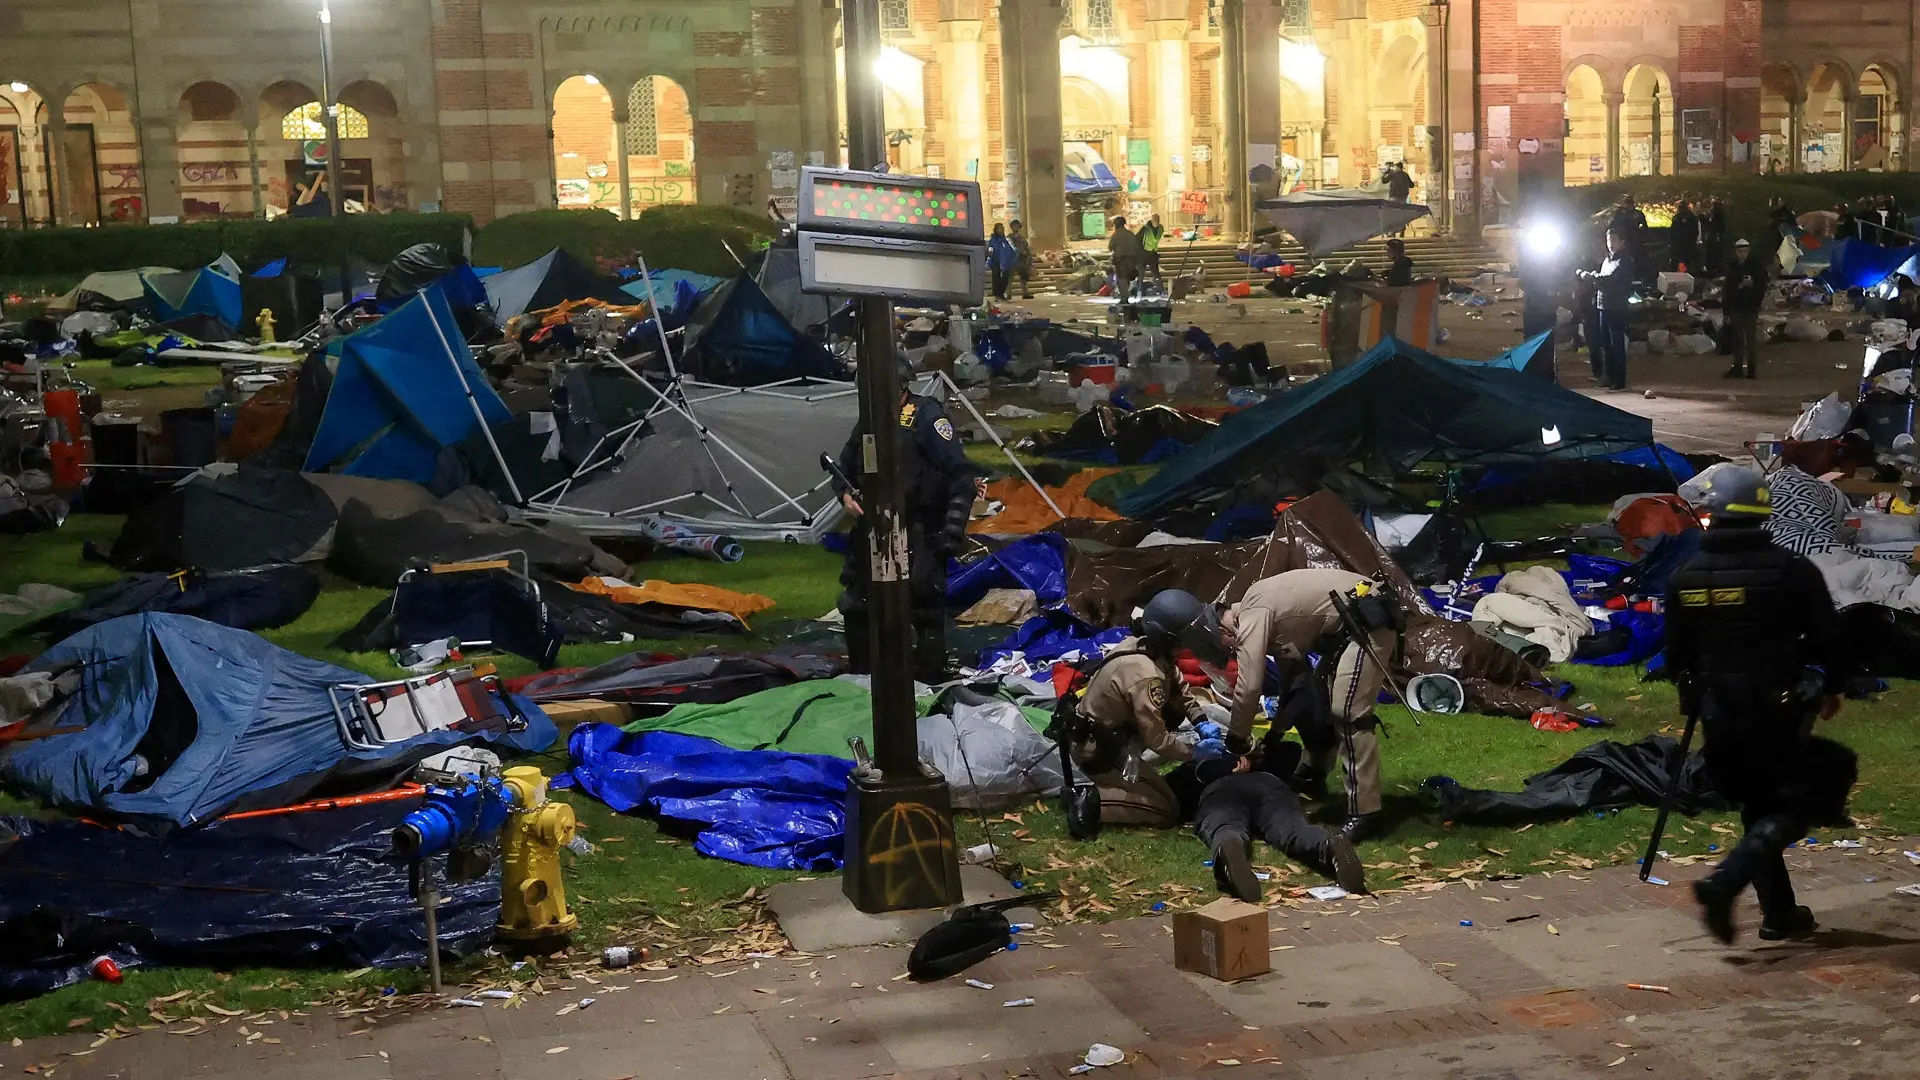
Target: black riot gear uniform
1754 643
939 482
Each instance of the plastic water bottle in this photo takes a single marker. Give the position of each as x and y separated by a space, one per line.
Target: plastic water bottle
980 853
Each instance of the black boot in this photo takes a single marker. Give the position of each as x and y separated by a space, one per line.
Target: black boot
1343 864
1233 870
1716 906
1790 928
1362 827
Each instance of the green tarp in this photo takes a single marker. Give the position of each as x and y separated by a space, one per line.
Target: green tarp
757 721
1392 408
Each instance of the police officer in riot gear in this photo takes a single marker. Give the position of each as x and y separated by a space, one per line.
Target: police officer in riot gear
1135 701
1289 615
1754 644
940 485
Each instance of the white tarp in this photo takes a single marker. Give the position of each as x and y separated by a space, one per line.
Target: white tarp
991 756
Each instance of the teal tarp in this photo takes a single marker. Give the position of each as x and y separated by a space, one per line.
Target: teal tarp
1394 407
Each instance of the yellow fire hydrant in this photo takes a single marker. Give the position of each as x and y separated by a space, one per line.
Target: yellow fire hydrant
533 901
266 325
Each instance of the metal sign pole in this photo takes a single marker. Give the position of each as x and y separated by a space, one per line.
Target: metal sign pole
900 850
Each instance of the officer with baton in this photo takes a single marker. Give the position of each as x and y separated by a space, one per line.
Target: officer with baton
1755 647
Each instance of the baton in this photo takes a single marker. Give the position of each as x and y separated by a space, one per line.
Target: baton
834 470
1365 640
1674 765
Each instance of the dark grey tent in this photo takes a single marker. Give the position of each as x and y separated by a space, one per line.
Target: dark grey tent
251 517
551 279
779 278
1392 408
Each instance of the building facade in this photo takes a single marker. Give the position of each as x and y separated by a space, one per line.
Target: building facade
1064 110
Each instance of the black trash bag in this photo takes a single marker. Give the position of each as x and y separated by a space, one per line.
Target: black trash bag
315 889
1603 776
412 270
1439 552
970 935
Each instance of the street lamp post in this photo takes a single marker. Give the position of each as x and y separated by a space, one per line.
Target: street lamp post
330 110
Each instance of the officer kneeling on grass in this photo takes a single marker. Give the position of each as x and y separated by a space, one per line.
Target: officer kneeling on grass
1755 646
1134 701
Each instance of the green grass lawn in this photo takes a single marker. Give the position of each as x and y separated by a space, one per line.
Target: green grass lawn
644 887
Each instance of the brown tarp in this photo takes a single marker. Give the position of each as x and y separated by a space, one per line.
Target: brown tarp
1318 532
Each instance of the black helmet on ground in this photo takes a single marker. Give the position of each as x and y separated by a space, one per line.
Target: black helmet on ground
1732 493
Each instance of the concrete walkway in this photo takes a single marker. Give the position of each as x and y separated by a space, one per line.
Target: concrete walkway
1395 989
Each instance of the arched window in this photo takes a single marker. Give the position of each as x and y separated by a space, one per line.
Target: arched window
304 123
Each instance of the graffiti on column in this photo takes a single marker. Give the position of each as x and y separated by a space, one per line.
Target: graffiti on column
124 176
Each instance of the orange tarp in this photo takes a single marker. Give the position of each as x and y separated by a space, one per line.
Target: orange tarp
677 594
1026 512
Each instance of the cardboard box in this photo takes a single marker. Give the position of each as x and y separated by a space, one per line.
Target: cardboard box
1226 940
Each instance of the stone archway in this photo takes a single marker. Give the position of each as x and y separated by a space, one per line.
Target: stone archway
1398 108
100 157
1874 144
1824 138
1589 152
1647 122
212 146
586 146
26 193
659 145
1780 99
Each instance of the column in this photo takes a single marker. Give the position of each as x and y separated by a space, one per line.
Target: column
1438 122
819 82
59 199
1847 101
963 66
253 171
1261 30
1233 149
1614 102
622 113
1170 121
1032 43
1795 158
1352 63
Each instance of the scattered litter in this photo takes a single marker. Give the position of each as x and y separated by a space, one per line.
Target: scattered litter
619 956
1651 880
1552 929
1908 890
1227 1061
1328 892
466 1002
1100 1055
1524 918
558 1049
1847 844
1466 922
1649 987
1017 1003
497 995
1617 1061
1315 1004
1912 857
587 1002
978 985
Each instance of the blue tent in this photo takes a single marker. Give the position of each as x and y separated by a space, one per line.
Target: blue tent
742 339
406 388
186 719
211 290
1856 264
1519 358
1396 406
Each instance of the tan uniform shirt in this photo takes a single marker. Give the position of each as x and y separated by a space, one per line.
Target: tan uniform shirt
1286 611
1128 695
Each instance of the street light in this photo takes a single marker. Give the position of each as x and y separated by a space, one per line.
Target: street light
330 111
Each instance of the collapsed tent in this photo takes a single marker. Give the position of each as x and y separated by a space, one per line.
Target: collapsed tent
250 517
1328 221
1603 776
739 462
182 720
1116 436
659 683
1394 407
295 890
107 290
406 389
1858 264
253 599
779 277
548 281
672 289
739 338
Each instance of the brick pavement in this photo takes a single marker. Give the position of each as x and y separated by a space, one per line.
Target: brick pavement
1375 988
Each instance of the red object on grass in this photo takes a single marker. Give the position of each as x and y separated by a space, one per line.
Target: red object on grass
1554 720
104 969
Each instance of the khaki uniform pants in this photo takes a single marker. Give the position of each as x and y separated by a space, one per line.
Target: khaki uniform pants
1356 685
1145 801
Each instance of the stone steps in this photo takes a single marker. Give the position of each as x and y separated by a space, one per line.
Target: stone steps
1432 256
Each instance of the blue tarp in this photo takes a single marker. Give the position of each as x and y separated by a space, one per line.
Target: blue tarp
1102 180
1518 358
1052 634
1037 562
667 292
1396 406
1856 264
272 270
235 713
760 807
399 396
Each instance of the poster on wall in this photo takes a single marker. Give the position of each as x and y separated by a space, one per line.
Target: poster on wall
1499 121
1699 152
1640 158
1139 151
569 192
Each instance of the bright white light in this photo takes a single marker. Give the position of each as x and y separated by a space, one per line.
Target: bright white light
1302 65
1872 358
896 70
1550 436
19 87
326 16
591 80
1545 238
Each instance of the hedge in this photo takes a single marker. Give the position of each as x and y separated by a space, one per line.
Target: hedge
374 237
681 237
1747 196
